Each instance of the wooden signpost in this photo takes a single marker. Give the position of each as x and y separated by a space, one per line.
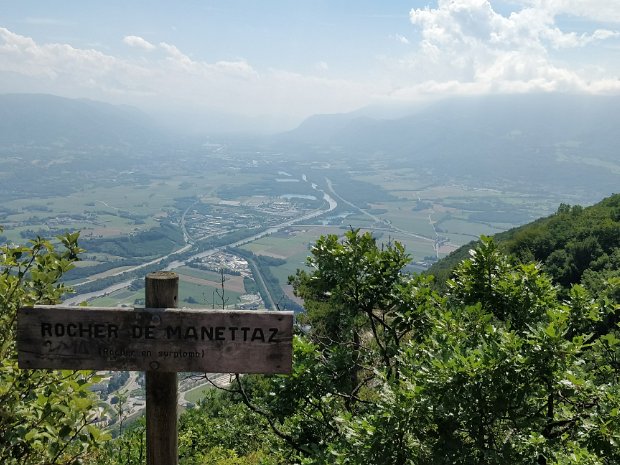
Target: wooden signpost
160 340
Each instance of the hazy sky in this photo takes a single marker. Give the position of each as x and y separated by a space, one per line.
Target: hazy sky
289 59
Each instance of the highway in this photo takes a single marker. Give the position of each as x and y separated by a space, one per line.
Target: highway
79 298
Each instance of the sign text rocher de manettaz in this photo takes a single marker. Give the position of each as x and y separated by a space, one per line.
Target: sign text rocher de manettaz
155 339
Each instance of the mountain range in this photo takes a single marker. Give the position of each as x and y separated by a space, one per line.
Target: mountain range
550 139
546 141
42 119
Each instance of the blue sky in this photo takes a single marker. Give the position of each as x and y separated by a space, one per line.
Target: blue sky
285 60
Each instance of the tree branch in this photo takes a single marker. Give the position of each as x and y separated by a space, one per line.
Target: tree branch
288 439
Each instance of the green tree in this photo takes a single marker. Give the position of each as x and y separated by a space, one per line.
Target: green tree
220 431
500 370
353 290
507 373
504 367
361 307
127 449
46 417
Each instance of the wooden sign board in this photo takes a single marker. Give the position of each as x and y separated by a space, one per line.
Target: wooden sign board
165 340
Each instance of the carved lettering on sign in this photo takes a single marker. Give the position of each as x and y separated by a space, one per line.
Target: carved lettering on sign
141 339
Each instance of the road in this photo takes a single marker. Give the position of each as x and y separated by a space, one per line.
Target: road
332 204
77 299
259 278
186 237
376 219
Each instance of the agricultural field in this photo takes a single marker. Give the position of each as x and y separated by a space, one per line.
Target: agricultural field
197 289
456 211
195 295
292 246
207 198
123 297
197 393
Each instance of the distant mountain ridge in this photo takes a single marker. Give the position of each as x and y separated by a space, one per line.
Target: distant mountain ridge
41 119
546 116
545 138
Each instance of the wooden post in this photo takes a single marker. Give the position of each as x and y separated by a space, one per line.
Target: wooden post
159 342
161 291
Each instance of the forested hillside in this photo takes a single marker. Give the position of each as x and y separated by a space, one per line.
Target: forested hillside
575 245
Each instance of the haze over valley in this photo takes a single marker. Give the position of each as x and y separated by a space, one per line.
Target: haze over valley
145 198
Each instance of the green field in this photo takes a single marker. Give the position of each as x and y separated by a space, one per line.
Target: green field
293 242
417 248
196 394
121 297
293 246
407 203
467 229
204 296
293 263
460 212
101 210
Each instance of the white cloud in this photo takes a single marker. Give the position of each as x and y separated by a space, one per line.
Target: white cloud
468 22
322 66
605 11
138 42
400 38
238 68
463 47
168 78
177 57
472 48
568 40
22 55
